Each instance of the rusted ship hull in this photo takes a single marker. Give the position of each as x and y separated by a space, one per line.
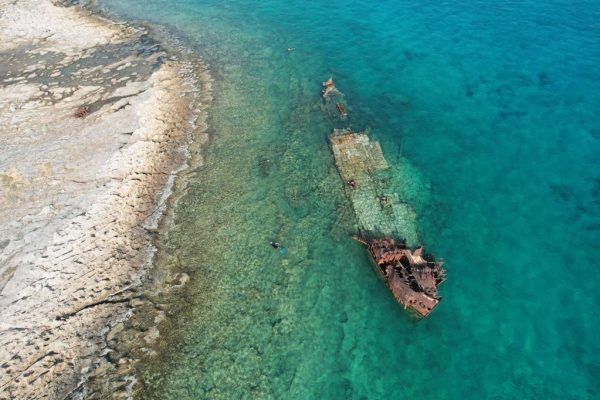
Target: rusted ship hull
412 278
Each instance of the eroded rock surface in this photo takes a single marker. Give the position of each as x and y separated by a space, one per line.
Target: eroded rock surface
95 122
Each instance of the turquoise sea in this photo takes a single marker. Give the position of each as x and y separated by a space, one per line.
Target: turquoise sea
489 112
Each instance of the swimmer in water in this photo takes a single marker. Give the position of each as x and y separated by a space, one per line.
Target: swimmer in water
274 245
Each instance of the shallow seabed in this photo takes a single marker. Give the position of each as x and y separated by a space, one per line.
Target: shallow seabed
489 113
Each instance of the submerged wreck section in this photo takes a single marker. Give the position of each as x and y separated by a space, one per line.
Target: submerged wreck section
333 99
412 277
367 175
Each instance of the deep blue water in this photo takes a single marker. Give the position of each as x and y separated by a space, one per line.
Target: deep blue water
494 109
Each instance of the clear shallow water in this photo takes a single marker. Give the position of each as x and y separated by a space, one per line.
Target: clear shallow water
494 109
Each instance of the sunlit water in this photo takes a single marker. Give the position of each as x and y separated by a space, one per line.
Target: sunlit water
489 113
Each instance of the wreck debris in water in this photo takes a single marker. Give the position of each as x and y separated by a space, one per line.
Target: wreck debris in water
329 89
412 276
333 99
378 209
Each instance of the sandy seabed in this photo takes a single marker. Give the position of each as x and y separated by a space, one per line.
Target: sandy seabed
96 119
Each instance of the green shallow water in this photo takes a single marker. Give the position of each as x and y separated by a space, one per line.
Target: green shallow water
488 114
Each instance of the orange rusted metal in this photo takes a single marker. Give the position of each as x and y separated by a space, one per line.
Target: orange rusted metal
341 109
412 278
82 112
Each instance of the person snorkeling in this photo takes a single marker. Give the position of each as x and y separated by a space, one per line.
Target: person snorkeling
277 245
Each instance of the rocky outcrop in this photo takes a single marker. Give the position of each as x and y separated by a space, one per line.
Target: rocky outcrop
95 124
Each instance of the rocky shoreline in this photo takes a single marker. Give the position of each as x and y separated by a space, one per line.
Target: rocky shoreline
97 119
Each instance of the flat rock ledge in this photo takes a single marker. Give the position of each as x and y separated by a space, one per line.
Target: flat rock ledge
96 121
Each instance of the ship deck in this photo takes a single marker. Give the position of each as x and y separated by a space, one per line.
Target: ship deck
378 210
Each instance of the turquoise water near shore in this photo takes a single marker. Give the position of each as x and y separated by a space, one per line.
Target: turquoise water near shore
489 112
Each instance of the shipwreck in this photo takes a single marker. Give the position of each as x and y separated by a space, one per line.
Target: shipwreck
387 225
333 97
412 277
